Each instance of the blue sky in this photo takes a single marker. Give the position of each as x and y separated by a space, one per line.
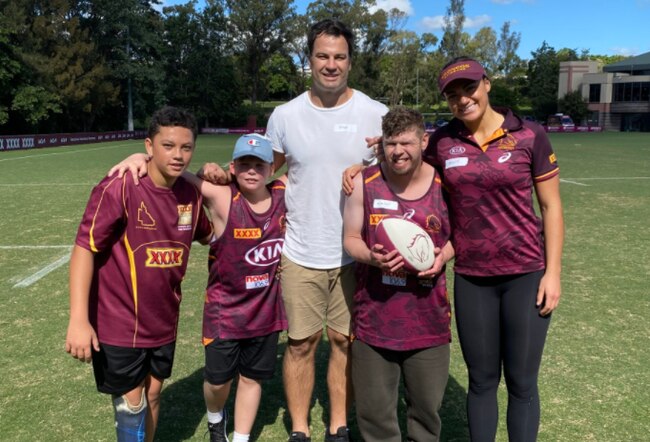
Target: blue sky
604 27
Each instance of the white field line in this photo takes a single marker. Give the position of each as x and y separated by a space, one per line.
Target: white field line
44 271
34 247
69 152
562 180
613 178
45 184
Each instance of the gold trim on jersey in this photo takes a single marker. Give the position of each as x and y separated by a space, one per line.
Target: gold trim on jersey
91 236
372 177
134 284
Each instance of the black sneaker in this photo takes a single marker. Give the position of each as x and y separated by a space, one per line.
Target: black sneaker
342 435
218 431
299 436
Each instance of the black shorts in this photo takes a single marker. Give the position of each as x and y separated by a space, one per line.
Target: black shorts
119 370
253 357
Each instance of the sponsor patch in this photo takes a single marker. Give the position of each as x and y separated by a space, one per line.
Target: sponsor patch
257 281
397 279
247 233
552 158
349 128
145 220
457 150
184 217
456 162
164 257
266 253
505 157
385 204
376 217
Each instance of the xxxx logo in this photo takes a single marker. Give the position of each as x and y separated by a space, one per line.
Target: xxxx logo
376 217
248 233
164 258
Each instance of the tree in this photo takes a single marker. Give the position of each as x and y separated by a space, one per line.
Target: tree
259 28
200 72
543 77
507 60
399 65
575 105
451 45
483 48
127 35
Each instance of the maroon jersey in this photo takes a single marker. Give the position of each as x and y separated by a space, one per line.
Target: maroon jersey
399 311
243 298
141 237
494 227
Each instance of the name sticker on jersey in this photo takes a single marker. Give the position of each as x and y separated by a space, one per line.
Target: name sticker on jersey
384 204
248 233
456 162
265 254
395 279
257 281
350 128
184 217
164 257
376 217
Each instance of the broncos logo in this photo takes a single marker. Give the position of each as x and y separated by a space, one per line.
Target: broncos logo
419 248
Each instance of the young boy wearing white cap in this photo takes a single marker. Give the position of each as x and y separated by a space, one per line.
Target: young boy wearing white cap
243 312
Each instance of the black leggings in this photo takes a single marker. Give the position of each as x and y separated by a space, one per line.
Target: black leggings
498 323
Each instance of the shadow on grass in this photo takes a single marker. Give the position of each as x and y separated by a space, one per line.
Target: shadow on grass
183 408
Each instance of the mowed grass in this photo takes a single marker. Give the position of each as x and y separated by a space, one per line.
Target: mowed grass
595 373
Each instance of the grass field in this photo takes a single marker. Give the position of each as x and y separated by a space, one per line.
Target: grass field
595 374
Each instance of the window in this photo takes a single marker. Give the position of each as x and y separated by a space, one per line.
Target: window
594 93
636 91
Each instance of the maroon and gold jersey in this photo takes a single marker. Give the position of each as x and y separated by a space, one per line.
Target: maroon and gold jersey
494 225
141 238
243 298
399 311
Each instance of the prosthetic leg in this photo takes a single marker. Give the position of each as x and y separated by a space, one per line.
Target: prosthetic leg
130 419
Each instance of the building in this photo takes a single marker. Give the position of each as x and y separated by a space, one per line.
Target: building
618 94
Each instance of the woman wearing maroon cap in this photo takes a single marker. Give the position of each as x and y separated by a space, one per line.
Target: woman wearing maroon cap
507 265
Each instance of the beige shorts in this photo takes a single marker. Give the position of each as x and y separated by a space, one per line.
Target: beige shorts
313 297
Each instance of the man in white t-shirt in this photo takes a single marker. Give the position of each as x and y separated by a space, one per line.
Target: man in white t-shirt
319 134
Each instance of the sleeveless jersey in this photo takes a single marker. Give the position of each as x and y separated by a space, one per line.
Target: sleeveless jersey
141 237
399 311
243 298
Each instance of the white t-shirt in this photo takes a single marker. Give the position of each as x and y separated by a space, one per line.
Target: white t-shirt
319 144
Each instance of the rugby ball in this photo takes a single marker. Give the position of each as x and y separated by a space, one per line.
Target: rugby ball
410 240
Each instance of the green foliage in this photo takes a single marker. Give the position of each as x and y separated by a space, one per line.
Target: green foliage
35 103
451 44
575 105
543 77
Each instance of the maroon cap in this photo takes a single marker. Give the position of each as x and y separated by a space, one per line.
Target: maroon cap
462 69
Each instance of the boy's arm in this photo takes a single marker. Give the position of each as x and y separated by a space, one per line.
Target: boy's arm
353 216
136 164
81 335
216 198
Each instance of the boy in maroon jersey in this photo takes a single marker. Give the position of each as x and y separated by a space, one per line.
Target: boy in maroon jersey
401 322
243 313
126 268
